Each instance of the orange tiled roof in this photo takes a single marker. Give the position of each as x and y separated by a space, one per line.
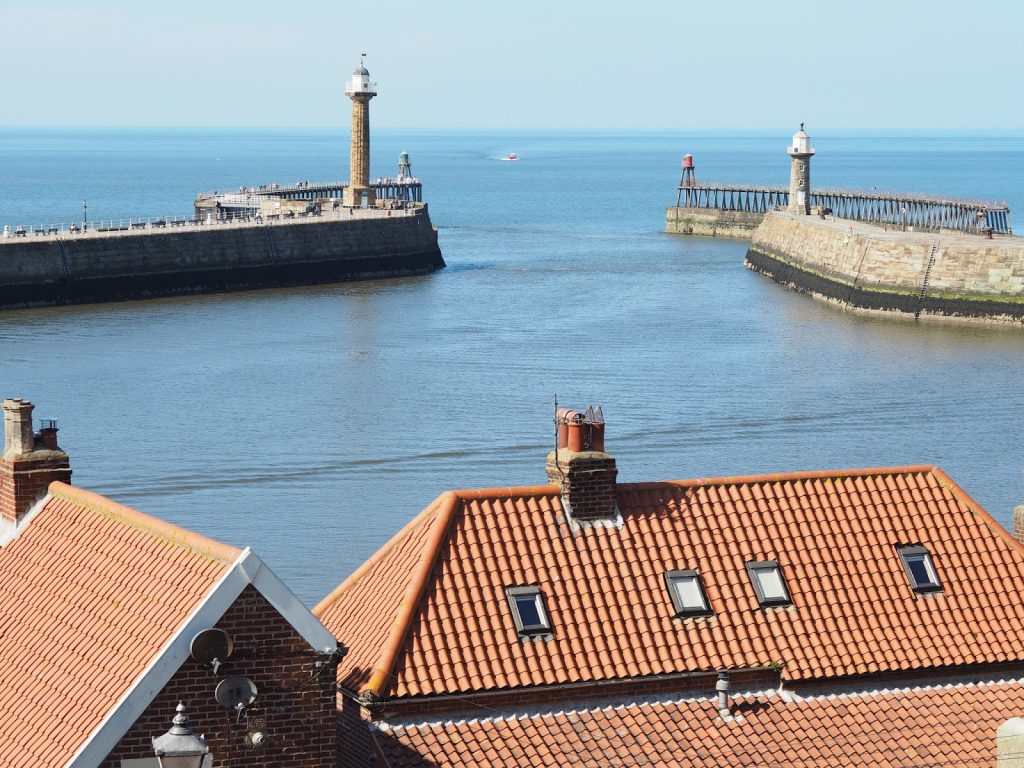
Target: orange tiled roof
90 591
951 726
428 614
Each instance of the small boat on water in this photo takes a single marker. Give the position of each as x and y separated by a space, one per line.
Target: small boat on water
511 156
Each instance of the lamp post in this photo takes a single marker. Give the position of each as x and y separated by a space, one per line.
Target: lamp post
85 215
180 747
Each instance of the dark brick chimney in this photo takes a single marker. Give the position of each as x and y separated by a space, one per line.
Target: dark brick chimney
580 467
30 461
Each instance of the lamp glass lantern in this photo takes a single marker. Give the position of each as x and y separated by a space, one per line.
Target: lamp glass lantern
180 747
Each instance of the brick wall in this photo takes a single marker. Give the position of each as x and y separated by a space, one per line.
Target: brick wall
587 480
297 710
356 748
24 481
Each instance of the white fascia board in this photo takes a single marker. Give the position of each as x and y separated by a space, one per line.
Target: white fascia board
289 606
247 569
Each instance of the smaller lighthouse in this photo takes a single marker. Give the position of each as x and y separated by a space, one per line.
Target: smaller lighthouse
687 182
359 192
800 173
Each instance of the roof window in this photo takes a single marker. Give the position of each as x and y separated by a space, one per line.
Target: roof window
686 589
766 576
917 563
528 611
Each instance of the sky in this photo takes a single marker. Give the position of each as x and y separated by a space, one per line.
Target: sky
887 66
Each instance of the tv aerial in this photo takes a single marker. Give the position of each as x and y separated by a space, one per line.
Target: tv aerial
236 692
211 647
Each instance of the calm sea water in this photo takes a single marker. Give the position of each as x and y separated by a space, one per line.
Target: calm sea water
312 423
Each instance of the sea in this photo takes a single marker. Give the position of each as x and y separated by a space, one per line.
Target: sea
311 424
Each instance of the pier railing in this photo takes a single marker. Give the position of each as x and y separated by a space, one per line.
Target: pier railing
153 225
888 209
405 188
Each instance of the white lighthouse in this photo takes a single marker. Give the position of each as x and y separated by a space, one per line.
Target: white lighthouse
360 90
800 173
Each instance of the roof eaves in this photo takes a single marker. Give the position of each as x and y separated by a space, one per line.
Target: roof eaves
381 675
247 569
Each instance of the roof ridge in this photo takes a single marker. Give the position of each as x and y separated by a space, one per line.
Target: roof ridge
381 675
806 474
470 494
161 529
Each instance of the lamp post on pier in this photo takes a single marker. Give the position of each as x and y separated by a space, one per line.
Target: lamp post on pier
85 215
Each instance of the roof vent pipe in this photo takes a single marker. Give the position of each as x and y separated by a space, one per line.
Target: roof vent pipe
723 687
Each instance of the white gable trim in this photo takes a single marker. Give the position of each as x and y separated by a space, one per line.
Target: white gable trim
247 569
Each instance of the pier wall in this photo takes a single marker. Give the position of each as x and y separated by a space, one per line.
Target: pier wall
91 268
711 222
958 276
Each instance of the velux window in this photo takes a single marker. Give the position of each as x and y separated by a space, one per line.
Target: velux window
917 563
770 587
686 590
528 611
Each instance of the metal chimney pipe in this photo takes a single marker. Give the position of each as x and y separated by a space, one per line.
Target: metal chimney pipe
723 687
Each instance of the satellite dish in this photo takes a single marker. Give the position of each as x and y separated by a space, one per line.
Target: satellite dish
212 647
236 692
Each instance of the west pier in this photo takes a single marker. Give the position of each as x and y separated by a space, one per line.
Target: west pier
266 236
910 256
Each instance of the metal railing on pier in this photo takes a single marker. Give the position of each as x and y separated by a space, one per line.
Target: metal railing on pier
404 188
887 209
153 225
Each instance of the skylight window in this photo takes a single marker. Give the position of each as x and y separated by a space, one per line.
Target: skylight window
917 563
766 576
528 611
686 589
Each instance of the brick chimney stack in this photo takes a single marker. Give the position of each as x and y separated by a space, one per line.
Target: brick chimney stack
581 468
30 462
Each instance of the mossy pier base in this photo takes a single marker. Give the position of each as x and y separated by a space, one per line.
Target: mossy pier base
916 275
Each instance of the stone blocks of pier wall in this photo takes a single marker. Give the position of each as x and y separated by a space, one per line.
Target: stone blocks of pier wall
867 267
221 258
711 222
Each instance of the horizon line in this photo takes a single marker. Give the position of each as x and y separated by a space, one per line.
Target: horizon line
758 131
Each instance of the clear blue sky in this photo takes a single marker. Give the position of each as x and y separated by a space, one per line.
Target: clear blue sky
673 65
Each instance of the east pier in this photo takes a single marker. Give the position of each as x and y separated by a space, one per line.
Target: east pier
909 256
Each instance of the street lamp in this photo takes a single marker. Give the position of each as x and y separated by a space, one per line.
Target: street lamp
180 747
85 215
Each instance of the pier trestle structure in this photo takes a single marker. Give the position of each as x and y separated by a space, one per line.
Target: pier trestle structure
903 211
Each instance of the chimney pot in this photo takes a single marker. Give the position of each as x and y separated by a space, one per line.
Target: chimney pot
48 434
18 438
584 473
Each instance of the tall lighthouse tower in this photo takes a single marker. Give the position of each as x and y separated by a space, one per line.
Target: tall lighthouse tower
800 173
359 192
